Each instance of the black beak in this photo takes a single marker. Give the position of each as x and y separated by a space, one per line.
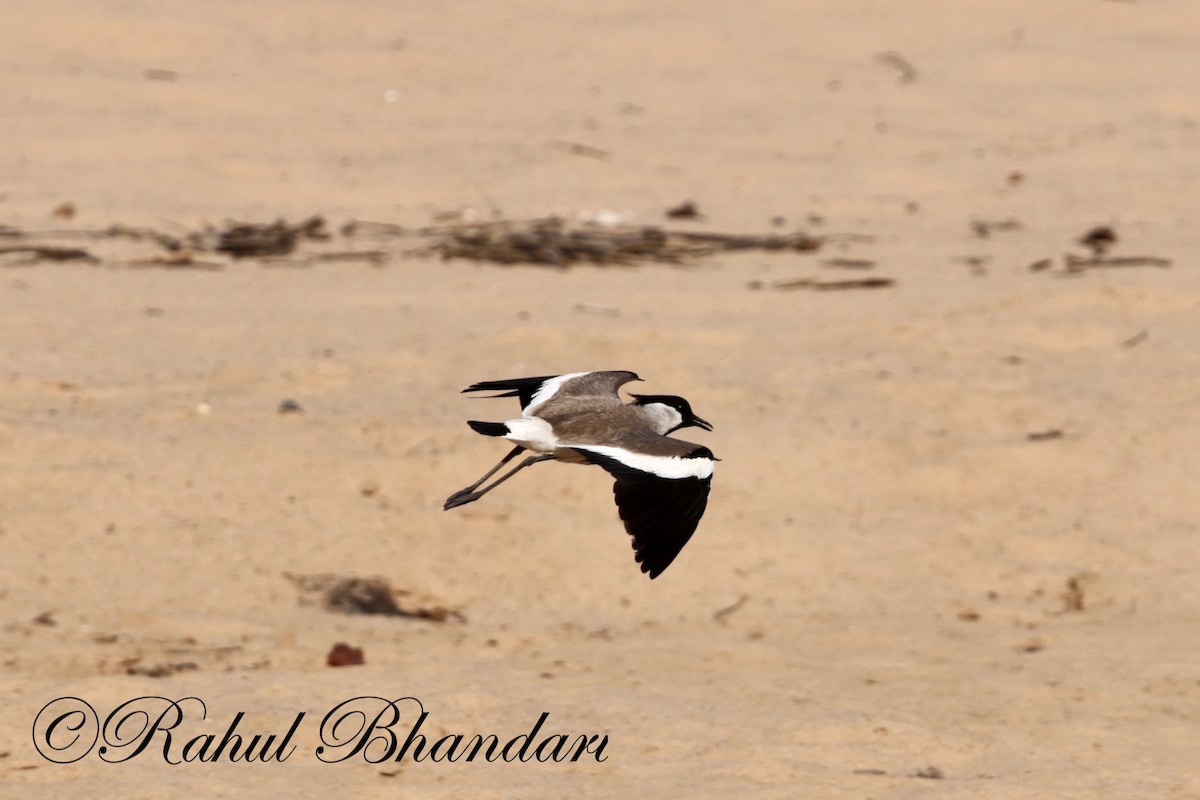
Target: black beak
699 423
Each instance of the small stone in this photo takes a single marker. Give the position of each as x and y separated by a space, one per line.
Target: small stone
343 655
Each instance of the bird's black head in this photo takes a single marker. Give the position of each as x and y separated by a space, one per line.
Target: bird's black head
683 417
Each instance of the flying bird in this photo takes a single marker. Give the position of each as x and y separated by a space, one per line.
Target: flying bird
662 484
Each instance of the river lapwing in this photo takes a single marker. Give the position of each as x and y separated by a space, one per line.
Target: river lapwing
662 484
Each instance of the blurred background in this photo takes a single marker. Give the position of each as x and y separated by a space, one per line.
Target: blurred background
951 543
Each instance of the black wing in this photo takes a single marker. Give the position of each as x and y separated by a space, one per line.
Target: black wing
522 388
661 514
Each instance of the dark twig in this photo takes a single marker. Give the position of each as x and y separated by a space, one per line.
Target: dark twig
360 227
1077 264
48 253
1136 339
827 286
553 241
848 263
242 239
908 73
722 613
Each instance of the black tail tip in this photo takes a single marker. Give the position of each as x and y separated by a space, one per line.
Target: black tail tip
488 428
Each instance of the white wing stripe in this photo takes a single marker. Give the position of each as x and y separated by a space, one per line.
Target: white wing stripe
548 390
660 466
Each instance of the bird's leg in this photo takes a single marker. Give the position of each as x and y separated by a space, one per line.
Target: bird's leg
470 495
463 492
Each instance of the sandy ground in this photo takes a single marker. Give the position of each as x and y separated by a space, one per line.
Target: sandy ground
892 575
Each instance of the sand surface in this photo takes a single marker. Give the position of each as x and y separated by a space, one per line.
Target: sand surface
892 576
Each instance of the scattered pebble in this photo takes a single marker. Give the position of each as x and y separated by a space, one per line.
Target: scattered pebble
290 406
1073 597
165 75
685 210
160 670
343 655
985 228
1136 339
1099 239
597 310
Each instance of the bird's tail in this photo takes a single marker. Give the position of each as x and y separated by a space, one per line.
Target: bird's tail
489 428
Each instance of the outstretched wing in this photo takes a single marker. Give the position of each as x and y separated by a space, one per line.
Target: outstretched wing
660 498
566 391
522 388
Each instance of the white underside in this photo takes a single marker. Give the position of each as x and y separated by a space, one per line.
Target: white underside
532 433
548 390
661 466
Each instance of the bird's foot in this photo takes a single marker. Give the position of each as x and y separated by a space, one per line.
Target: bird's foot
460 498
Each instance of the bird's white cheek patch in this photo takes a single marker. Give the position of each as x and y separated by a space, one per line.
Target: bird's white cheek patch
659 466
664 417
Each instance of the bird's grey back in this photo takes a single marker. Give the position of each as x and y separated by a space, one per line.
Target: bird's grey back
583 396
621 426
